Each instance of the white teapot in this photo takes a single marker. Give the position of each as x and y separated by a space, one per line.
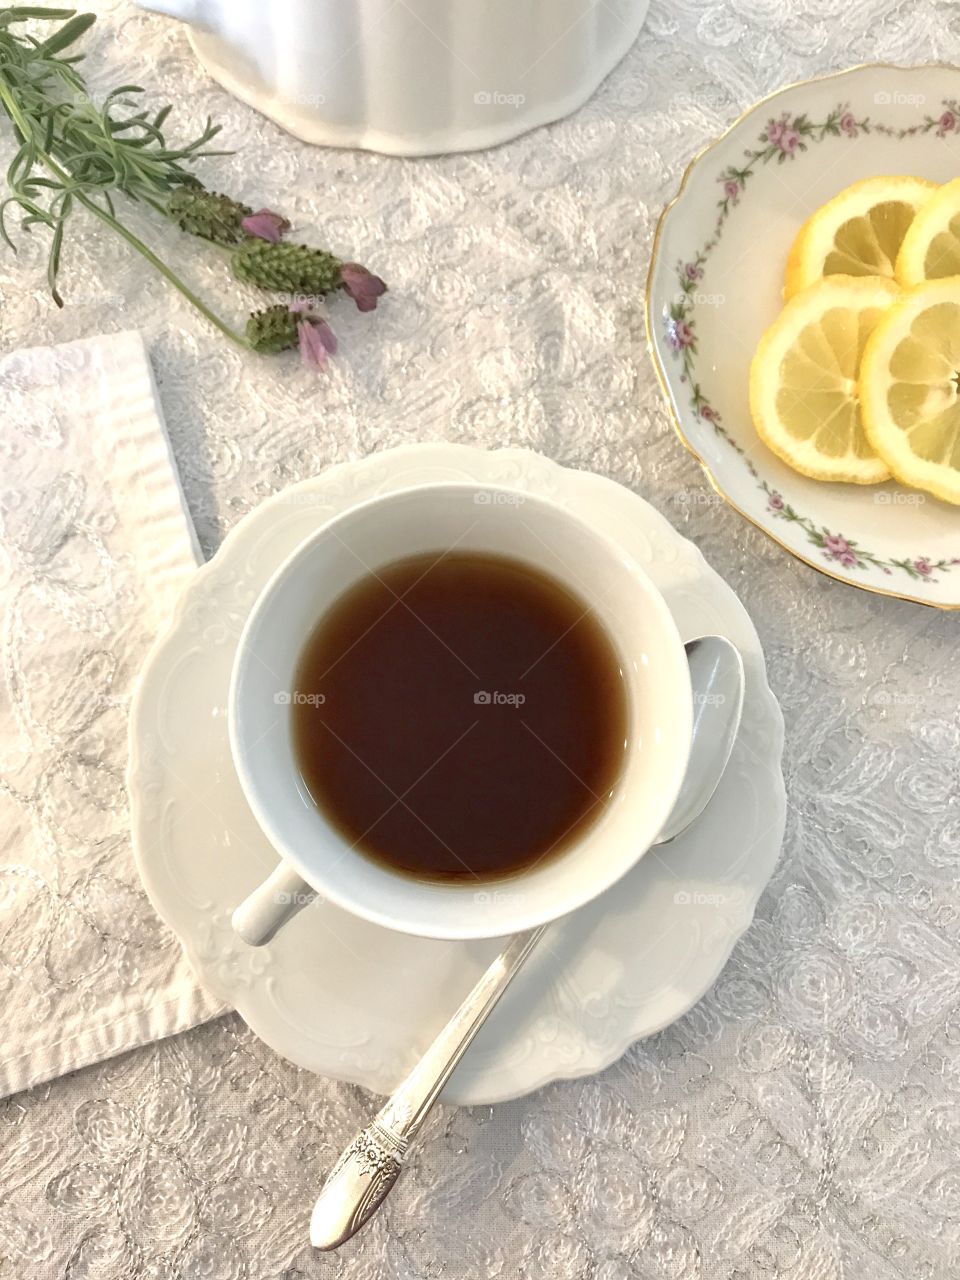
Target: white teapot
410 77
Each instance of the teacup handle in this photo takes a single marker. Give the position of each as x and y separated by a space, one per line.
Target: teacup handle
272 904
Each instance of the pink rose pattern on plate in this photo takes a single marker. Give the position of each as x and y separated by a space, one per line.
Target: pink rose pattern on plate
782 139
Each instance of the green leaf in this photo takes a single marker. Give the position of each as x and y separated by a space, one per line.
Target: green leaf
53 265
53 262
71 148
20 165
68 33
4 233
20 13
35 213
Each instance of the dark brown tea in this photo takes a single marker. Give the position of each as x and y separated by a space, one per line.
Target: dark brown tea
459 716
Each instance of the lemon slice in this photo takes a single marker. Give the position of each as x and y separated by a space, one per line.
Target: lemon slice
857 233
931 247
803 379
909 388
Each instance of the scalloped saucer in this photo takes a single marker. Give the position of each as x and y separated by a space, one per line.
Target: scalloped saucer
714 285
347 999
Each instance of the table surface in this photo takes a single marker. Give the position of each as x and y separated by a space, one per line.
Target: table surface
803 1121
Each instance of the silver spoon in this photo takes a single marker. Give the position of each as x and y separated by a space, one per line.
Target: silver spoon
366 1171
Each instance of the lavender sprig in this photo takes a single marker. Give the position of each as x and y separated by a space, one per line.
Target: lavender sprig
75 150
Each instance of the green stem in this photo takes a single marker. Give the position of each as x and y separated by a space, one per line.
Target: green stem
164 270
23 124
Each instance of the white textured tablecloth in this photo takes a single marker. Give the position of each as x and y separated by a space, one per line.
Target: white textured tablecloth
803 1122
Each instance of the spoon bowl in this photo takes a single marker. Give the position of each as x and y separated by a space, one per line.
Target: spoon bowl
716 681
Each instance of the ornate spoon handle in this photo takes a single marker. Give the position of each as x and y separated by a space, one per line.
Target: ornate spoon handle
365 1173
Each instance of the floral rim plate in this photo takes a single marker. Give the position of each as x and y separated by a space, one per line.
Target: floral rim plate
714 286
347 999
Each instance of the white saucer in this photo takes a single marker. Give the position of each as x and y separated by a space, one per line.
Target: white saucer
347 999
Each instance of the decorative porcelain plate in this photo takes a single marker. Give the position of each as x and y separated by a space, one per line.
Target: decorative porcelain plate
348 999
714 286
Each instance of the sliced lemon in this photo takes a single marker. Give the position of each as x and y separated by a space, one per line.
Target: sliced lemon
803 379
931 247
909 378
857 233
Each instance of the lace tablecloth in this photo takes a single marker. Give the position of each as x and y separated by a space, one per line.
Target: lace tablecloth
803 1122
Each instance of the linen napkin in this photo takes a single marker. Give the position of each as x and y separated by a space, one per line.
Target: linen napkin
95 546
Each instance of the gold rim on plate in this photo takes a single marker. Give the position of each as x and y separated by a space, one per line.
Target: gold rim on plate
654 358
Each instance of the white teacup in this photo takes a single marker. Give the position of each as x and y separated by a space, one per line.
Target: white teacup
316 857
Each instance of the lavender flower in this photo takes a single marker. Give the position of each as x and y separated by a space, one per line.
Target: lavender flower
316 339
265 225
362 285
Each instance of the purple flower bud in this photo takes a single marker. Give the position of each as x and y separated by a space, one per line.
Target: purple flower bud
265 225
317 341
362 285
